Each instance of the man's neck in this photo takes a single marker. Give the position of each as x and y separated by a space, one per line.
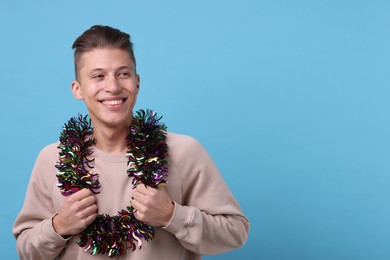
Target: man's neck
111 140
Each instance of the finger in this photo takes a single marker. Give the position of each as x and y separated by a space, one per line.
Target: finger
139 215
148 191
137 195
91 218
81 194
137 205
136 214
161 187
88 201
161 190
142 189
91 210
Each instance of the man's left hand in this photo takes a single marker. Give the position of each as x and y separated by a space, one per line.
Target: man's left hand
153 206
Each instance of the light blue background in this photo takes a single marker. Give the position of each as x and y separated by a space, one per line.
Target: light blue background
291 99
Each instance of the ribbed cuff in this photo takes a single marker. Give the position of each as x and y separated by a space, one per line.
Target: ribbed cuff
181 219
50 236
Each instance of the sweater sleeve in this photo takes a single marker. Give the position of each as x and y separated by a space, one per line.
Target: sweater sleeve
210 220
33 228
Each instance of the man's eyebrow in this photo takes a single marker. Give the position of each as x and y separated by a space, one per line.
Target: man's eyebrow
95 70
126 67
119 68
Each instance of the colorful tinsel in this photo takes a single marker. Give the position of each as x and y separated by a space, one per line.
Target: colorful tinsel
147 151
147 141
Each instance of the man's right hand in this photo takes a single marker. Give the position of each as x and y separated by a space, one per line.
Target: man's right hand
77 212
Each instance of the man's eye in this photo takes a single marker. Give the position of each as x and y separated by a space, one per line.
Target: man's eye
98 76
124 74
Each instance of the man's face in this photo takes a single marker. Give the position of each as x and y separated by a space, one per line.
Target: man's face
109 86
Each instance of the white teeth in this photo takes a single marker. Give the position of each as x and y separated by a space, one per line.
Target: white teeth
113 102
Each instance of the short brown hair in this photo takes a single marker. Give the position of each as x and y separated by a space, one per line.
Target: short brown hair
99 37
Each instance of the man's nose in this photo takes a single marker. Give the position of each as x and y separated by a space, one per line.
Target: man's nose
112 84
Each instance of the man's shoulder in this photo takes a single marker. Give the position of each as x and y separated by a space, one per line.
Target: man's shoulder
181 141
49 152
183 146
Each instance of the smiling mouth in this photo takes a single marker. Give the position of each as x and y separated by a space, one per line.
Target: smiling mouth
113 102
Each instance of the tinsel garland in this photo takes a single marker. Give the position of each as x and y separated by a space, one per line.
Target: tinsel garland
147 152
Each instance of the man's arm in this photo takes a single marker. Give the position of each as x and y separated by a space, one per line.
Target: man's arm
41 232
210 220
33 229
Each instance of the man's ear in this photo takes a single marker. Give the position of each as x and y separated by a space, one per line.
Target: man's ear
76 90
138 81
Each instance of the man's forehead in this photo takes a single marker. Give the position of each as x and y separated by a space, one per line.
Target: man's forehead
106 53
104 58
124 67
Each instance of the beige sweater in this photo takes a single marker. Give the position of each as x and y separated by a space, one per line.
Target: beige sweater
207 218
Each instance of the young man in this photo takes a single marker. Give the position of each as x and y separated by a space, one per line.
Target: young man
80 188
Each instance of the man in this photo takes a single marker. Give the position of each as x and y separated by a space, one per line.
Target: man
75 205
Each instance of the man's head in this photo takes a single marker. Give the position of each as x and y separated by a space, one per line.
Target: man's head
106 77
100 37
